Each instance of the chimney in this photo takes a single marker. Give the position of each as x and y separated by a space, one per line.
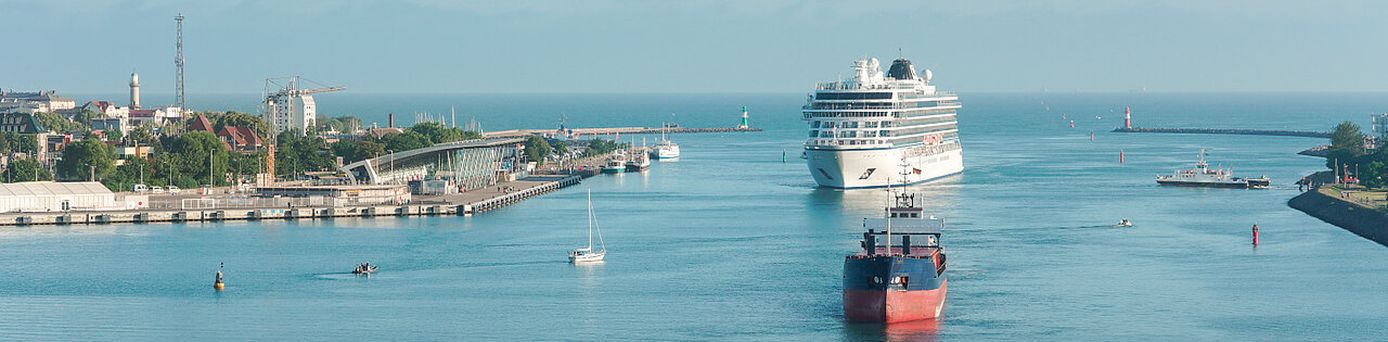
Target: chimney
391 121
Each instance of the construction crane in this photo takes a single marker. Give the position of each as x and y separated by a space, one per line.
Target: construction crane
288 106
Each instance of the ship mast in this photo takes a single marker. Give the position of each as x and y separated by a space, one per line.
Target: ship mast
888 218
590 219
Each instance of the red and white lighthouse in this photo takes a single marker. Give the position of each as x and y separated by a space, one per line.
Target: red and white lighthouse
1127 117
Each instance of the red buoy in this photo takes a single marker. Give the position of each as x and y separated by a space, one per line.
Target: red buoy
1255 235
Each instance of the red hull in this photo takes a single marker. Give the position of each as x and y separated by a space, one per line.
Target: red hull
893 306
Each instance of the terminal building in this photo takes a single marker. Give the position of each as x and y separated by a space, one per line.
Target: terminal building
466 165
341 195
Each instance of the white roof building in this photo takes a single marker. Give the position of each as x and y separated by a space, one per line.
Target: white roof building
57 196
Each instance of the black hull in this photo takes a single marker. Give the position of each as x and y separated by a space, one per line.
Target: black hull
1230 185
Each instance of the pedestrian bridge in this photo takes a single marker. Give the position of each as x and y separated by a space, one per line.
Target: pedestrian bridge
471 164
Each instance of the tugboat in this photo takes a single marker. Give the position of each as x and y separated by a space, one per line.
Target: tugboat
903 279
1203 176
364 268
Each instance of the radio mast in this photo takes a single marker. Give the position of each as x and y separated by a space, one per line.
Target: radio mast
179 100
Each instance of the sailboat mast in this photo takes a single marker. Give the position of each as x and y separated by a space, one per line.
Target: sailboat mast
590 219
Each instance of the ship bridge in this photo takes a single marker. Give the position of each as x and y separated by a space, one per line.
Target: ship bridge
472 164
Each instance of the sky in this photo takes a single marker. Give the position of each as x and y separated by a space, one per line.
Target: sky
649 46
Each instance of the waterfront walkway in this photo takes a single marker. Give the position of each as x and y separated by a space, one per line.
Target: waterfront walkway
223 209
1357 210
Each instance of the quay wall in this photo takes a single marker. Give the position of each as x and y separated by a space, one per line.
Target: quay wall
1363 221
422 208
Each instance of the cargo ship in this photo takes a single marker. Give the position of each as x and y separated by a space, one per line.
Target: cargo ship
1203 176
903 279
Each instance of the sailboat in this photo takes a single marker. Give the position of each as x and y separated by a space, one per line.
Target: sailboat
587 254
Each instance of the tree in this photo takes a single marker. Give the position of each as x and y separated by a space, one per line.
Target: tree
1346 144
598 147
1374 175
560 147
353 151
244 164
114 135
86 116
5 140
188 156
437 133
126 176
409 140
87 159
58 123
536 149
27 144
144 135
27 170
238 119
297 153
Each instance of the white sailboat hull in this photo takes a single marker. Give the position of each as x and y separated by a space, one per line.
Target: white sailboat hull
587 258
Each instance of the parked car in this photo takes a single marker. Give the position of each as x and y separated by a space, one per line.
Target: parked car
174 189
157 189
140 188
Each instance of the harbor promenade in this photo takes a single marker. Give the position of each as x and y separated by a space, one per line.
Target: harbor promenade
1358 210
233 207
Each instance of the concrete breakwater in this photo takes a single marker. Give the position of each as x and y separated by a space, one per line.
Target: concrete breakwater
453 204
1360 220
622 130
1227 131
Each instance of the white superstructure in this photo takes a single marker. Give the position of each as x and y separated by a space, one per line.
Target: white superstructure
874 129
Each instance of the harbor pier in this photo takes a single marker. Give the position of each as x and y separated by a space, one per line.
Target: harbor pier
1225 131
229 207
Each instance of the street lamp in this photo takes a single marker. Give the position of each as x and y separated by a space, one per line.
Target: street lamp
391 153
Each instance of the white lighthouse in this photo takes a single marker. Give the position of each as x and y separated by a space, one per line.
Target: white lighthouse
134 91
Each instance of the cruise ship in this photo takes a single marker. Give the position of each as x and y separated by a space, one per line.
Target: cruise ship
865 131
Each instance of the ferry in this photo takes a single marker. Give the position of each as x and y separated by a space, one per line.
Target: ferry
617 163
1203 176
860 129
903 279
665 149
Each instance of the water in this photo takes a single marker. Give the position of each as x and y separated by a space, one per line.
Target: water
731 243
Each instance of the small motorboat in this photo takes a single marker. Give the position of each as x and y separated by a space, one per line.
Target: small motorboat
1124 223
364 268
